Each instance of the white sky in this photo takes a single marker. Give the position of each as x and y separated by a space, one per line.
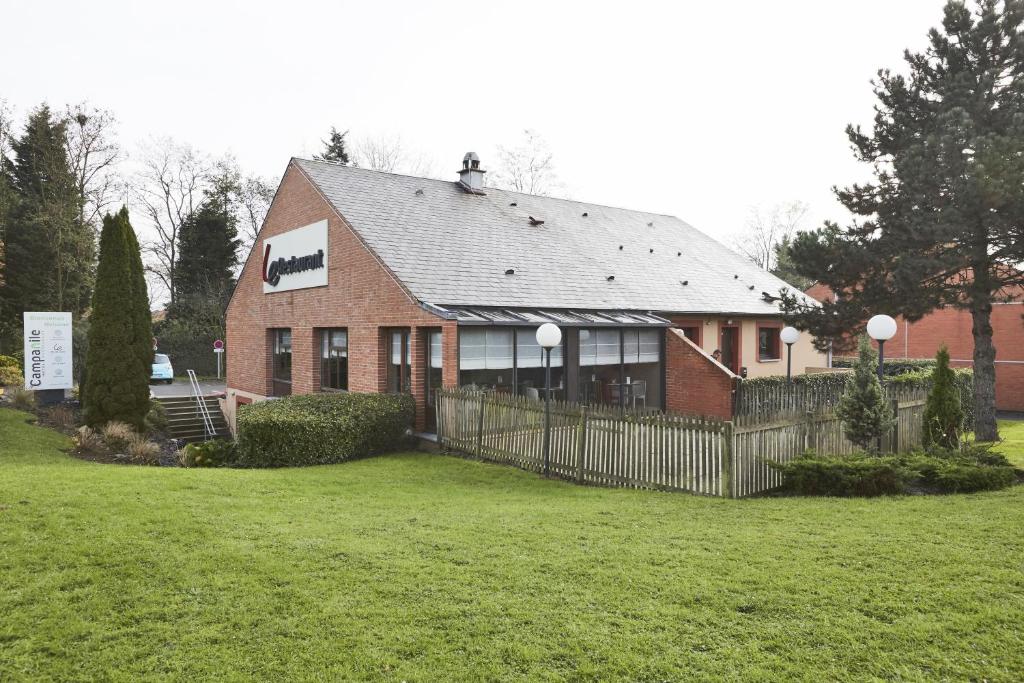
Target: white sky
698 109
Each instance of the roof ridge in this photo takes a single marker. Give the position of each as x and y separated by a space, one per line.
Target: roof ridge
488 188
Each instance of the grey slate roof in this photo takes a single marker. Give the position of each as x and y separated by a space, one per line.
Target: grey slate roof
450 247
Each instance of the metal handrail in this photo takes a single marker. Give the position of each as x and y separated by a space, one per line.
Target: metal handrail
201 406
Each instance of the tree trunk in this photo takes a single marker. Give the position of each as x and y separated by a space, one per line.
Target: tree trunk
984 373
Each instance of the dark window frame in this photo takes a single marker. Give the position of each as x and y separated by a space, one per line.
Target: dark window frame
326 334
773 330
276 356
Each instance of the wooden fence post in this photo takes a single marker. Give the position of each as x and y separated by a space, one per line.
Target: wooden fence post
727 451
581 443
480 428
894 443
810 434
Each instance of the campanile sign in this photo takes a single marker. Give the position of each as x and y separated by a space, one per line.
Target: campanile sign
48 351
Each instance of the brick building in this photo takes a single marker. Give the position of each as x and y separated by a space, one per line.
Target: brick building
952 327
370 281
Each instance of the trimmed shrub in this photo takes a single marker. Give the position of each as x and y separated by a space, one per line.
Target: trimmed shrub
213 453
315 429
891 367
963 381
862 474
943 416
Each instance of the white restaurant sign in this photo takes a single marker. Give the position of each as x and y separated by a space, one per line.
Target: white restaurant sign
48 351
296 259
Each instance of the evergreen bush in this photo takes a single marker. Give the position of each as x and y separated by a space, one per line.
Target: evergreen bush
943 415
865 413
314 429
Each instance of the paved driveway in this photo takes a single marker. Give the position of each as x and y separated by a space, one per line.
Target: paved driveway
181 387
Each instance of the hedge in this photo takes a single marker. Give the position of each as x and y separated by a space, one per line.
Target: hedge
862 474
891 367
963 380
316 429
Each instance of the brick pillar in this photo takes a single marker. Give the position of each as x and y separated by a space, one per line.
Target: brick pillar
305 369
418 383
450 354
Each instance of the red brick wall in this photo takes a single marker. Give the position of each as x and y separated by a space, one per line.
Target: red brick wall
694 382
952 327
361 296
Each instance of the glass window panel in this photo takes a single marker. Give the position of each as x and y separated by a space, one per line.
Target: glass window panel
472 349
650 346
631 346
608 351
528 351
588 347
499 349
435 350
396 348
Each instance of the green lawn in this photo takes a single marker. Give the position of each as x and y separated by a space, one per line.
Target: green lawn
1012 445
429 568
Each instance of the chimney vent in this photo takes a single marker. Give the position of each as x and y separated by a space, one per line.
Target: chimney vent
471 175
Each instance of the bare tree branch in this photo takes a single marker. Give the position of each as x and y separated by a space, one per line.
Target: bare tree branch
94 156
766 229
527 167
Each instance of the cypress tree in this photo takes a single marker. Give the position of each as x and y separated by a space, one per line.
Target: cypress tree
943 414
142 324
862 407
118 385
334 148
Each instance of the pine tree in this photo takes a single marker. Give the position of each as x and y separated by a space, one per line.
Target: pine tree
943 414
118 384
940 225
48 254
862 407
334 148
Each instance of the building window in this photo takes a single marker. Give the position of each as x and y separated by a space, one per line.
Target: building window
399 362
691 332
281 362
334 360
768 343
621 367
508 360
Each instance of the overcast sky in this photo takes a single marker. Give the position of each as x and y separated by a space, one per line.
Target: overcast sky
698 109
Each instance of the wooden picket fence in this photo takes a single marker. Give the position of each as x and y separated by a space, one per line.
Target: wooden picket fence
646 449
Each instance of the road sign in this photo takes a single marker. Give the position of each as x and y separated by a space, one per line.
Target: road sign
47 351
218 345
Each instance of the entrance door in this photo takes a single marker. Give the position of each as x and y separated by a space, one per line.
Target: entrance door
434 363
731 348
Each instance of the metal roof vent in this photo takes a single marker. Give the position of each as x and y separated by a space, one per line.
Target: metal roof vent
536 221
610 278
471 175
510 271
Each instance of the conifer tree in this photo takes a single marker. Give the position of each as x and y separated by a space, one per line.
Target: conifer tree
48 253
942 223
862 407
943 414
118 384
142 326
334 148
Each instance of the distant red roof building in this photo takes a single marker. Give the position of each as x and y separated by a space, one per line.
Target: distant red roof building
952 327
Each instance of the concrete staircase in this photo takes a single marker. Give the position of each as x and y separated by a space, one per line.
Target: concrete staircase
184 421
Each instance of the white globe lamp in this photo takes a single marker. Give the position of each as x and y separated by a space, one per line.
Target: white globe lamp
548 336
881 328
789 336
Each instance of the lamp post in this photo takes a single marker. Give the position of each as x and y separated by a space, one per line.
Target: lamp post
881 328
789 336
548 336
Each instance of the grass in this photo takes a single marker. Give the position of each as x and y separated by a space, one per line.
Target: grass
1012 445
422 567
